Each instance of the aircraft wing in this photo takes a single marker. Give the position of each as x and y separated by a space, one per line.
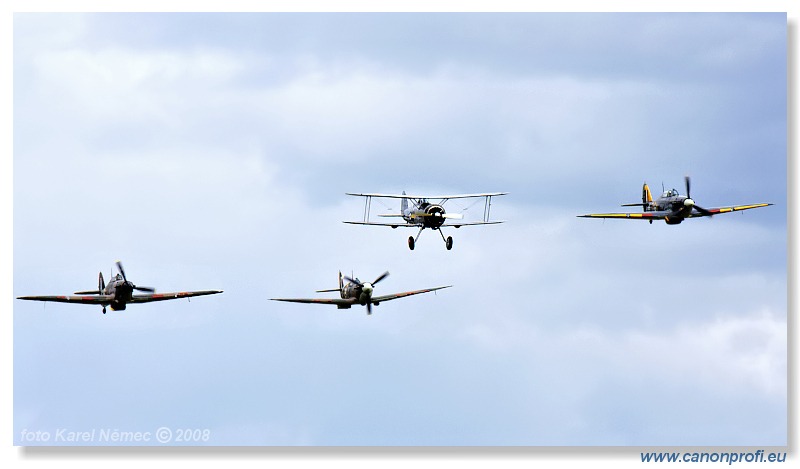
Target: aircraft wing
660 215
80 299
323 301
456 224
412 196
171 296
736 208
394 296
393 225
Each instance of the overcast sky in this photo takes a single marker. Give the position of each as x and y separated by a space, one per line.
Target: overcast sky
213 151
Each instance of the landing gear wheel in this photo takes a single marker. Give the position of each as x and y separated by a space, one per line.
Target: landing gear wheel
104 310
449 243
411 243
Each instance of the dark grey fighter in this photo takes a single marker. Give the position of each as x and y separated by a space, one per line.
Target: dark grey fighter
118 293
671 207
357 292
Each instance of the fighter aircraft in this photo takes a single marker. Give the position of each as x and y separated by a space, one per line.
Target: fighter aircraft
671 207
117 294
357 292
422 213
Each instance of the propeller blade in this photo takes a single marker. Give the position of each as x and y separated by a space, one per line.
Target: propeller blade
147 289
369 308
382 276
121 271
688 182
351 280
702 210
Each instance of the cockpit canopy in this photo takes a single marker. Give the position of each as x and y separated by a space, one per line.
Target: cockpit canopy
670 193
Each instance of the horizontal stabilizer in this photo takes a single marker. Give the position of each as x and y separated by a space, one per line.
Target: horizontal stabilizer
90 292
329 290
636 204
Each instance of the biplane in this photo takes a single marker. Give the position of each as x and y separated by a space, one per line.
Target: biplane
426 211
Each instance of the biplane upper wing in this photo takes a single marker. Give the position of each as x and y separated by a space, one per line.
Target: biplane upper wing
80 299
171 296
394 296
443 197
457 224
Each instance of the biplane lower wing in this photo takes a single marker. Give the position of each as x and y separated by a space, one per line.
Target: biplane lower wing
370 223
473 223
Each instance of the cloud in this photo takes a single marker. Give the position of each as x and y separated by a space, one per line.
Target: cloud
220 160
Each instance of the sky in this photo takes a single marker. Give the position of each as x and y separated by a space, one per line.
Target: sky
213 151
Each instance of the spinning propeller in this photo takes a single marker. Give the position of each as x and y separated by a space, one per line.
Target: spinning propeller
130 284
367 287
689 202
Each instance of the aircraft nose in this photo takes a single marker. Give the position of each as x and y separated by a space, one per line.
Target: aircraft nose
688 202
367 288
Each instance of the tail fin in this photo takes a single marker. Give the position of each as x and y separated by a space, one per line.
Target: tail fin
340 289
647 198
101 286
403 204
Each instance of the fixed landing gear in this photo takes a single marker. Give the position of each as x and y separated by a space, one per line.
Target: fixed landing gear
448 242
104 310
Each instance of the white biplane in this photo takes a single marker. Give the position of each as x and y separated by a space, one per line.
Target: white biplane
419 211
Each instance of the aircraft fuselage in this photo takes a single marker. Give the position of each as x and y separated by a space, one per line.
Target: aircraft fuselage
679 205
122 292
425 214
